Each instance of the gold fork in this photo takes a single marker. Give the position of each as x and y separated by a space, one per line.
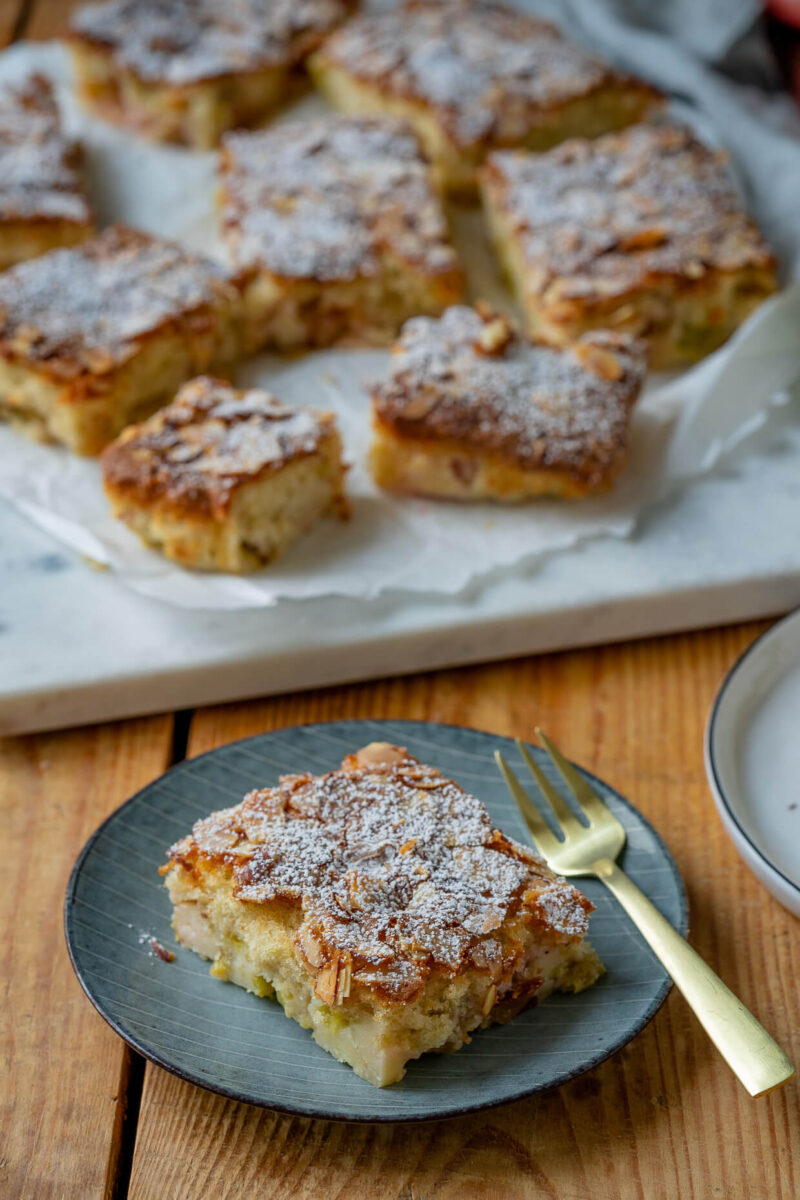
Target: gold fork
591 849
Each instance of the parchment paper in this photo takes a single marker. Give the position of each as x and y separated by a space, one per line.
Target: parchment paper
682 425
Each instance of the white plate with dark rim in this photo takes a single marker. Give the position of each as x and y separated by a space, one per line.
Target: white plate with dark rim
752 751
222 1038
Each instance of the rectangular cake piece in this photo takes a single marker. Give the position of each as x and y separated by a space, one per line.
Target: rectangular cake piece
336 229
640 231
225 479
473 411
380 908
472 76
43 201
187 70
99 335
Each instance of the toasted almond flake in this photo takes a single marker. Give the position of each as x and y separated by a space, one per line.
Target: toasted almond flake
495 335
621 315
404 849
343 983
489 1000
600 362
644 239
325 985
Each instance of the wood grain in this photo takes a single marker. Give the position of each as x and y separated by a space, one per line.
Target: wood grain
664 1117
62 1067
12 19
48 18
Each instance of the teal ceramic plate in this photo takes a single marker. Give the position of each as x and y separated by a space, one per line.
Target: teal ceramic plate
222 1038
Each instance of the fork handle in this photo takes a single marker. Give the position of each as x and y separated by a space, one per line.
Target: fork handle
745 1045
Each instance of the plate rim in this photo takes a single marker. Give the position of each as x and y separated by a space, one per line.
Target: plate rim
721 799
449 1113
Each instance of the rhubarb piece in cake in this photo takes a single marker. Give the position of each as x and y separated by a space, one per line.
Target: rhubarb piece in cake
225 479
473 76
640 231
187 70
101 334
381 909
336 230
43 201
473 411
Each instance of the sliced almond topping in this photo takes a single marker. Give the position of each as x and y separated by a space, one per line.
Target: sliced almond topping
622 315
643 239
600 362
494 336
343 983
310 948
381 754
420 405
325 985
24 339
404 849
489 1000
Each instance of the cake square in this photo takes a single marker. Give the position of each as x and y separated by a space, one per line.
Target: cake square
336 229
472 76
225 479
640 231
101 334
380 907
187 70
43 202
473 411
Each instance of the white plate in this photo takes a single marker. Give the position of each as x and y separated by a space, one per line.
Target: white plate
752 753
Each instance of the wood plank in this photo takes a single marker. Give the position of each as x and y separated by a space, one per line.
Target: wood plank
63 1070
663 1118
48 18
13 15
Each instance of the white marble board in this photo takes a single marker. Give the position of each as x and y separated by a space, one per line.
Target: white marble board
78 647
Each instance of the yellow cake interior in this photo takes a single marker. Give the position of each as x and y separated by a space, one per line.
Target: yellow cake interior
252 946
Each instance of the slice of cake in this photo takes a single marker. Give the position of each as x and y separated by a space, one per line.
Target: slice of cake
99 335
43 201
224 479
380 908
474 75
473 411
640 231
336 230
187 70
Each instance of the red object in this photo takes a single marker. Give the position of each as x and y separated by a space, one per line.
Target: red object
787 11
783 31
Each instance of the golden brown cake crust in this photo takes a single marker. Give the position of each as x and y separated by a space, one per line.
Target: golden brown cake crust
470 379
86 310
398 872
602 217
40 179
193 455
328 199
182 42
486 69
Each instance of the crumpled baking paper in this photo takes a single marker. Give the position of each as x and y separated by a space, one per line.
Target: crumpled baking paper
682 425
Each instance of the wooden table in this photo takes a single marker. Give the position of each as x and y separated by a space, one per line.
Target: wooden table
85 1117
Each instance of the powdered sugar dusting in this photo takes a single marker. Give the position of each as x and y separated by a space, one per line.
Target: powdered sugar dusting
91 302
537 405
601 215
39 176
397 870
328 198
210 440
487 69
184 41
